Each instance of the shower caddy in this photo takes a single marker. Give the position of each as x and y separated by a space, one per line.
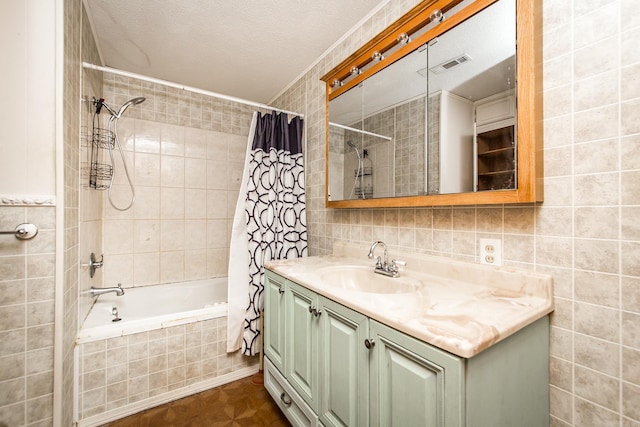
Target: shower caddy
102 143
106 140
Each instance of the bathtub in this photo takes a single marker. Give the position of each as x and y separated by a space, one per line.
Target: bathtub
169 343
146 308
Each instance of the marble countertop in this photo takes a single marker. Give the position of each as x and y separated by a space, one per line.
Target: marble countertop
460 307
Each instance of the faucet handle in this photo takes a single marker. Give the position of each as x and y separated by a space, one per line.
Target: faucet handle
395 264
379 262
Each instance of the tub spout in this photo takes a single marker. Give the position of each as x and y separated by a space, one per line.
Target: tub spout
94 292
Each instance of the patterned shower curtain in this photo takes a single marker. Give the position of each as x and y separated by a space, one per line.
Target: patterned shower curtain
274 211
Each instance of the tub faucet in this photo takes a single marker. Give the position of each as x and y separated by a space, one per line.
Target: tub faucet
94 292
384 267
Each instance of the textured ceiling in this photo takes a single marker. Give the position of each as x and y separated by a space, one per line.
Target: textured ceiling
243 48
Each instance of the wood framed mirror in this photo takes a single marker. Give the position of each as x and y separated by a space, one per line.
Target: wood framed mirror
441 108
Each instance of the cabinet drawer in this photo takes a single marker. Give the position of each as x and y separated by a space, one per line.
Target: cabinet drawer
294 408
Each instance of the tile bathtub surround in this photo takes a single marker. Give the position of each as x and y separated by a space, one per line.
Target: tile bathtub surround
585 234
120 371
26 308
186 183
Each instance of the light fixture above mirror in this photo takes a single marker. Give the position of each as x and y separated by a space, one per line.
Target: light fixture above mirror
498 145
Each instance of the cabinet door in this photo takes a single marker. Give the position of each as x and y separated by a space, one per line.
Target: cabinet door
301 360
274 321
494 109
344 366
412 383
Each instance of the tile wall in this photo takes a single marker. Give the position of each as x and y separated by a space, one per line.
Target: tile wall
27 194
27 286
122 371
186 156
586 233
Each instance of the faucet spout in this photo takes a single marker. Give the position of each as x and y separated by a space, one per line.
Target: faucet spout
386 253
385 268
94 292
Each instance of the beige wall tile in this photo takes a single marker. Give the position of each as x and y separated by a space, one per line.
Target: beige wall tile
630 256
630 82
596 58
597 321
631 330
630 399
561 404
598 388
631 291
589 414
597 354
554 221
557 131
629 116
597 255
595 124
597 288
630 191
555 71
629 39
561 373
595 157
590 16
557 101
596 222
554 251
588 189
631 365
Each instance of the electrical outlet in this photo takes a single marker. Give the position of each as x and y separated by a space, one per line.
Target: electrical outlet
491 252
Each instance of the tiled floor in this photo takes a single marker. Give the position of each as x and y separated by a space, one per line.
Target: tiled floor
241 403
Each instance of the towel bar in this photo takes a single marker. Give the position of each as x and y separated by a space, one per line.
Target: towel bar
25 231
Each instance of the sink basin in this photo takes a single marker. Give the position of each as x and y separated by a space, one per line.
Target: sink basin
363 279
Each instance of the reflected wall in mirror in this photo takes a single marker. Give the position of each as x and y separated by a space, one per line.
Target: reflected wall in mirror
440 117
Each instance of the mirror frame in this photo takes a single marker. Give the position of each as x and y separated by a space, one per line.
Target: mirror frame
528 98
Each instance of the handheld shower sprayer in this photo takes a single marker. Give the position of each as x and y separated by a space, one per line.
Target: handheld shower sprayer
129 103
352 145
113 127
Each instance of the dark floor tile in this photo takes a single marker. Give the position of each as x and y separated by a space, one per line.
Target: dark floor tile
242 403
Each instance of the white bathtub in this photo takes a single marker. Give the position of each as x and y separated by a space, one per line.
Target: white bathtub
147 308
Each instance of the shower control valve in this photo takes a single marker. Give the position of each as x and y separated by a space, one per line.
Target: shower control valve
95 264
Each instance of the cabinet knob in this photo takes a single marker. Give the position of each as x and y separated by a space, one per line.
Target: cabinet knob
369 343
285 399
280 291
314 311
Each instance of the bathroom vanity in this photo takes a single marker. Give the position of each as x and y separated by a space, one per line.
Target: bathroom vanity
446 344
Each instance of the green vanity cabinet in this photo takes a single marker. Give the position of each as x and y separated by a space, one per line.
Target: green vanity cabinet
408 386
274 331
301 357
344 366
330 365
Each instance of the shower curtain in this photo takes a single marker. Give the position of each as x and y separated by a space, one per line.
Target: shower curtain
269 223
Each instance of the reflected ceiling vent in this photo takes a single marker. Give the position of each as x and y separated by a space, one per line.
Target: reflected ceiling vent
446 65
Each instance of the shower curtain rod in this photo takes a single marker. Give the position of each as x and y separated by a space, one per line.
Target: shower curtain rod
186 88
359 131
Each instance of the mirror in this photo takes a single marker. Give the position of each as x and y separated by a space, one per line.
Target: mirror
437 123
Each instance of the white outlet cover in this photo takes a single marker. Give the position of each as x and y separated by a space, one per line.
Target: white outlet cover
491 252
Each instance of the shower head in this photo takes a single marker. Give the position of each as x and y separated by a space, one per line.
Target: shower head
134 101
352 145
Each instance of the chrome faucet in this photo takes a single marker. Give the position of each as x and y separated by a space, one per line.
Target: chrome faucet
384 267
94 292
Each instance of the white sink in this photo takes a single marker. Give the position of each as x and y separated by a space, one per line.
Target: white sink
362 279
403 296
